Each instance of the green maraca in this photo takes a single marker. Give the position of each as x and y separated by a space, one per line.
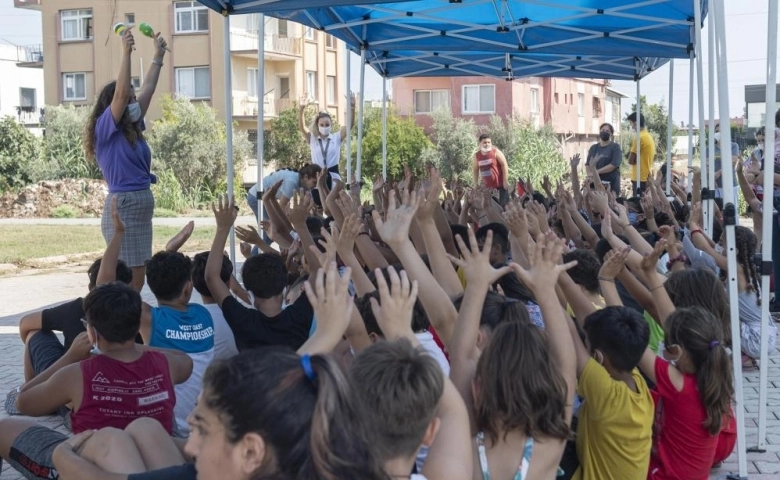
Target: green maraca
148 31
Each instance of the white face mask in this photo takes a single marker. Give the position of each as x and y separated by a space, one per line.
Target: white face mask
661 350
134 112
719 248
325 131
486 149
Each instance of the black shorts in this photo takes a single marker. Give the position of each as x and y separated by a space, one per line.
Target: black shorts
45 349
31 453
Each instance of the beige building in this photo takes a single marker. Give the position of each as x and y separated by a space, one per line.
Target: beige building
81 53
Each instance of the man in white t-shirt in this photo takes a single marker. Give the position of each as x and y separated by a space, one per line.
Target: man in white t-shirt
224 341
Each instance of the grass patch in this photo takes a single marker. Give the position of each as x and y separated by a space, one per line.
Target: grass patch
22 243
64 211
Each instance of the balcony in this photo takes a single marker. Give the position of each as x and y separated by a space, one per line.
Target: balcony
31 4
244 43
245 107
30 56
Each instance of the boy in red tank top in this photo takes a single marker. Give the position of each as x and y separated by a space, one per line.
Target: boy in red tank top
121 383
491 169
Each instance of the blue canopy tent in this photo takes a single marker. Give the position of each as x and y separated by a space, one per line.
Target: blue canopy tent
615 39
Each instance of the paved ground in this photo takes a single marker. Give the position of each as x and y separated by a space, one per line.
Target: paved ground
20 294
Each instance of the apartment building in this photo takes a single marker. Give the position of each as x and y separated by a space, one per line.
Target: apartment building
574 107
81 53
21 91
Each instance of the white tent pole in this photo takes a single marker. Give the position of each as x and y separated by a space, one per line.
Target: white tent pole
766 242
700 98
638 135
229 123
361 106
384 127
714 58
347 112
260 111
690 122
729 221
669 130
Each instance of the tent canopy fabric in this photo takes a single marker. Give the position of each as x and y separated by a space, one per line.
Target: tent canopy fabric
509 66
581 38
237 7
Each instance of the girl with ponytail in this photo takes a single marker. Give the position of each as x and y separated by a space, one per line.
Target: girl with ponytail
272 414
694 390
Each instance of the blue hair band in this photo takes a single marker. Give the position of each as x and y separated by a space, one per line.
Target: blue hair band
307 369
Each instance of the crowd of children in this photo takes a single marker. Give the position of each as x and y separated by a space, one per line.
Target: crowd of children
428 333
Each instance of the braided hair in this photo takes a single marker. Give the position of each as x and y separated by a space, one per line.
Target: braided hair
746 244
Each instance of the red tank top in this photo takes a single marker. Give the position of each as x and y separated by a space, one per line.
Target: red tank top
116 393
489 171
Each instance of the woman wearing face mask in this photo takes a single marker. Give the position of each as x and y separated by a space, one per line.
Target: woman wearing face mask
325 145
608 157
114 138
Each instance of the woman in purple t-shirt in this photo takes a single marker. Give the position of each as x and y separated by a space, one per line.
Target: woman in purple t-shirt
114 138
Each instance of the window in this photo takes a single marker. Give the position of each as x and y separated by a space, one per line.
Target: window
251 82
581 104
308 33
331 86
193 82
135 82
27 99
282 28
311 85
428 101
534 100
129 19
479 99
330 41
191 17
76 24
74 86
596 107
284 87
556 97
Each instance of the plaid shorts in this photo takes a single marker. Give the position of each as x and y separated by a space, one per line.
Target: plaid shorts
136 210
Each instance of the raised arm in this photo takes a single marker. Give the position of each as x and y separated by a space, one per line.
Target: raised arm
302 119
394 230
225 213
124 88
332 305
152 74
343 130
450 456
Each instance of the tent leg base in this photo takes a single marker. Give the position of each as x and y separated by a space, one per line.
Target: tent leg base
735 476
756 450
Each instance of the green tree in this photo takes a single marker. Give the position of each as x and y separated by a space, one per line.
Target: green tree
63 148
454 143
531 153
18 151
656 121
190 141
406 142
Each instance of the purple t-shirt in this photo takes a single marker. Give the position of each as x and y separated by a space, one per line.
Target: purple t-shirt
125 168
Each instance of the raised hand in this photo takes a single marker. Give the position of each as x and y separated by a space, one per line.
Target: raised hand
574 161
330 300
394 228
350 230
248 234
160 45
694 220
621 217
545 269
300 208
246 249
348 204
614 262
379 182
128 42
650 261
394 310
430 197
331 240
476 263
599 201
225 212
647 206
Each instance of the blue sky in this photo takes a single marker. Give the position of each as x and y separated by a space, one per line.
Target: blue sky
746 25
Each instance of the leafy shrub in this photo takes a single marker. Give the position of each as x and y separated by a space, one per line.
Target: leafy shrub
62 154
189 143
454 143
65 211
18 151
168 194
